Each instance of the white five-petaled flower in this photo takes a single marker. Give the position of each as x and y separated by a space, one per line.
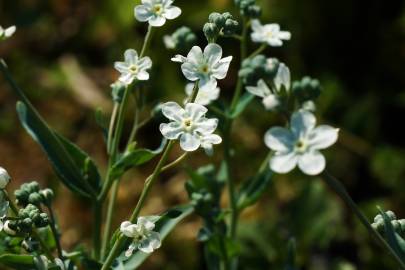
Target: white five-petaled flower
206 94
300 144
6 33
133 67
270 100
156 12
190 125
204 66
144 238
269 33
4 178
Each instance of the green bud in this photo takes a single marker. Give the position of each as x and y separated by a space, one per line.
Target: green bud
211 31
391 215
230 27
182 39
117 91
47 195
35 198
402 224
33 186
26 224
217 19
258 67
253 11
306 89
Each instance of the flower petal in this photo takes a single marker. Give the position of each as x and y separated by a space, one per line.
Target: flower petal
302 122
322 137
173 111
121 66
127 228
279 139
189 142
10 31
189 71
172 12
130 250
179 58
195 55
283 162
157 21
145 63
261 90
207 126
283 77
312 163
195 111
212 53
221 68
143 13
131 57
171 130
142 76
285 35
145 223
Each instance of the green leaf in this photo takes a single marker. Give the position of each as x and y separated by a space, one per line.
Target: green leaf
252 190
392 236
101 121
133 158
66 158
244 101
15 261
164 226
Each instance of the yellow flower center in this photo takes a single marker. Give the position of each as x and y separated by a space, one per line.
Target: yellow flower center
158 8
133 69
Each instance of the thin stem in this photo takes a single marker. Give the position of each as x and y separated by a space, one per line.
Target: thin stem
97 216
110 211
55 232
111 128
135 124
258 51
174 163
147 41
341 191
148 184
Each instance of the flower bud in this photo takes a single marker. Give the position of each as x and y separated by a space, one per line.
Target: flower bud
306 89
217 19
9 228
35 198
4 178
182 39
230 27
117 92
211 31
47 195
391 215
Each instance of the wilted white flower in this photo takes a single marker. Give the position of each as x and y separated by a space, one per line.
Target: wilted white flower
270 100
156 12
144 238
133 67
206 94
6 33
4 178
204 66
188 124
269 33
283 77
300 144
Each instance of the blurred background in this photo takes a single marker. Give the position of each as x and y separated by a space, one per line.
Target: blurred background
62 55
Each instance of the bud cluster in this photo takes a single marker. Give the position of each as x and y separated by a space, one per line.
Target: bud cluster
249 8
182 39
397 224
30 193
28 218
306 89
258 67
220 25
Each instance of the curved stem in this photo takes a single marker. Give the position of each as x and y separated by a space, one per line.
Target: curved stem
258 51
341 191
55 232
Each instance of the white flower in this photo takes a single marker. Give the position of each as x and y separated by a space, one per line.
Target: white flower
169 41
204 66
4 178
270 101
156 12
300 144
188 124
269 33
133 67
144 238
6 33
283 78
206 94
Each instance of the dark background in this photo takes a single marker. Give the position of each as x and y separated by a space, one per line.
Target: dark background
62 55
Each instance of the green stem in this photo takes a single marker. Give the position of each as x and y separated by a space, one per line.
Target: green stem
258 51
110 212
341 191
146 43
148 184
55 232
97 216
111 128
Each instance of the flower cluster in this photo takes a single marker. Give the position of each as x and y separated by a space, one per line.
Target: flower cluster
182 39
30 193
300 144
28 218
306 89
269 34
156 12
220 25
190 126
142 234
7 32
204 66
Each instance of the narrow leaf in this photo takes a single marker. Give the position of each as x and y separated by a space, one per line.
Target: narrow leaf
252 190
392 236
17 261
241 106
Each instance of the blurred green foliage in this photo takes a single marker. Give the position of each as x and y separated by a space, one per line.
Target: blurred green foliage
354 48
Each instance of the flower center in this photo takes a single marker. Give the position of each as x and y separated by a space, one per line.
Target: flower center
270 34
133 69
205 69
158 9
300 146
187 123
